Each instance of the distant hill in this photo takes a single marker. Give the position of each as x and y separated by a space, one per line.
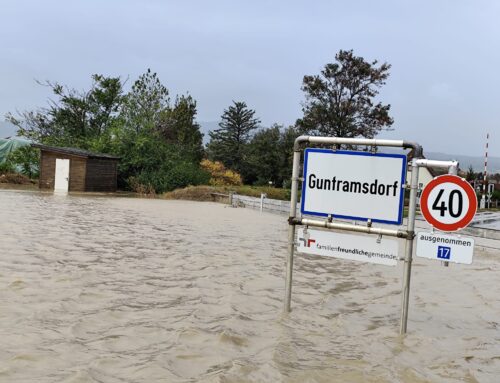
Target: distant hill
465 161
7 129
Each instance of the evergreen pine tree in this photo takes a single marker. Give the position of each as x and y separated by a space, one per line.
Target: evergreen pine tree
228 144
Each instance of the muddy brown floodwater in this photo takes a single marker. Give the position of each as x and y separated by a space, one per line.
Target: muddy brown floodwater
100 289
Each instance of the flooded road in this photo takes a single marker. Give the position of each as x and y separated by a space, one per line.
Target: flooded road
100 289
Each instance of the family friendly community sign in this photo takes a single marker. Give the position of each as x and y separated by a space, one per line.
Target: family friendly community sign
364 248
354 185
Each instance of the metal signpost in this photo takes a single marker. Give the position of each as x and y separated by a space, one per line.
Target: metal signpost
361 186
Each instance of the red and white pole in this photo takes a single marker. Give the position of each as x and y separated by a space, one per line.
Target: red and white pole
485 178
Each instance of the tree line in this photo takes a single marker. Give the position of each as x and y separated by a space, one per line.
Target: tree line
160 142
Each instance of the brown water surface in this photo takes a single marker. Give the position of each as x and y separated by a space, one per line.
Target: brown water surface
101 289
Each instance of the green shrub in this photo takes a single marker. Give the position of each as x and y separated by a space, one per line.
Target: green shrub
168 178
496 194
185 174
6 168
26 161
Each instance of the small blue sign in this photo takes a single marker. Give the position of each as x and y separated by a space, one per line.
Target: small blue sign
444 252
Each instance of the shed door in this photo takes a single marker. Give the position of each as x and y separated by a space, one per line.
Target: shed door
62 175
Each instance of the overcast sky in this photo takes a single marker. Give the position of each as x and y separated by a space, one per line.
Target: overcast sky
445 56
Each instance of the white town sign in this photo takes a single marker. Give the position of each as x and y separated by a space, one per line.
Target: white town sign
354 185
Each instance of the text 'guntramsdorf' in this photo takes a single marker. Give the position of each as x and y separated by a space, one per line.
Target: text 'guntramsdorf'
338 185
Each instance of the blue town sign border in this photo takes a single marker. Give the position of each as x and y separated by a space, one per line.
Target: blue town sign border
355 153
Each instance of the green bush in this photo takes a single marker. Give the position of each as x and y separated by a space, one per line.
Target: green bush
6 167
496 195
26 161
149 165
185 174
166 179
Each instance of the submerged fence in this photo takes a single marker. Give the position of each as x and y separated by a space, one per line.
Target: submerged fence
263 203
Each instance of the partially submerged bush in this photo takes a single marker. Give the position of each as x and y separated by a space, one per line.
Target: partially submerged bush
141 189
211 193
168 178
13 178
194 193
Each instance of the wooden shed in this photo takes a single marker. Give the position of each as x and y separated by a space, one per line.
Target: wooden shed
71 169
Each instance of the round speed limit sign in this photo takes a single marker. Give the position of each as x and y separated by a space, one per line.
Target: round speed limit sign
448 203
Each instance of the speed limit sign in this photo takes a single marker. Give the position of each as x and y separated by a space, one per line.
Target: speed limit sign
448 203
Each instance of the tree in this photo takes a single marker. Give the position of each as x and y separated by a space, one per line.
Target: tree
265 156
229 143
270 154
287 141
76 118
178 125
145 103
340 101
471 175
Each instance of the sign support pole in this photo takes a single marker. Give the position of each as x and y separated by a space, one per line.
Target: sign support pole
409 245
291 229
453 170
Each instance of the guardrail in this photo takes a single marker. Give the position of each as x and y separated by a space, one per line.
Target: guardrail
263 203
221 196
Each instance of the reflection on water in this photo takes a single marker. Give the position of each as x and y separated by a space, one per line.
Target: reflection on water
99 289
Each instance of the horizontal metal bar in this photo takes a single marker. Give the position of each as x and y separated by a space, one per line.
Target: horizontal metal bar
423 162
354 141
358 141
347 226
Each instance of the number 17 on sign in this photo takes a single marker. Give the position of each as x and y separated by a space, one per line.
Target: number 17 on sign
444 252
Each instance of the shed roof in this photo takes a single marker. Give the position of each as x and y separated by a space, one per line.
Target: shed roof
75 152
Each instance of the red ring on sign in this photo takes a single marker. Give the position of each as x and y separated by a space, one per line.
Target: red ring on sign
469 190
